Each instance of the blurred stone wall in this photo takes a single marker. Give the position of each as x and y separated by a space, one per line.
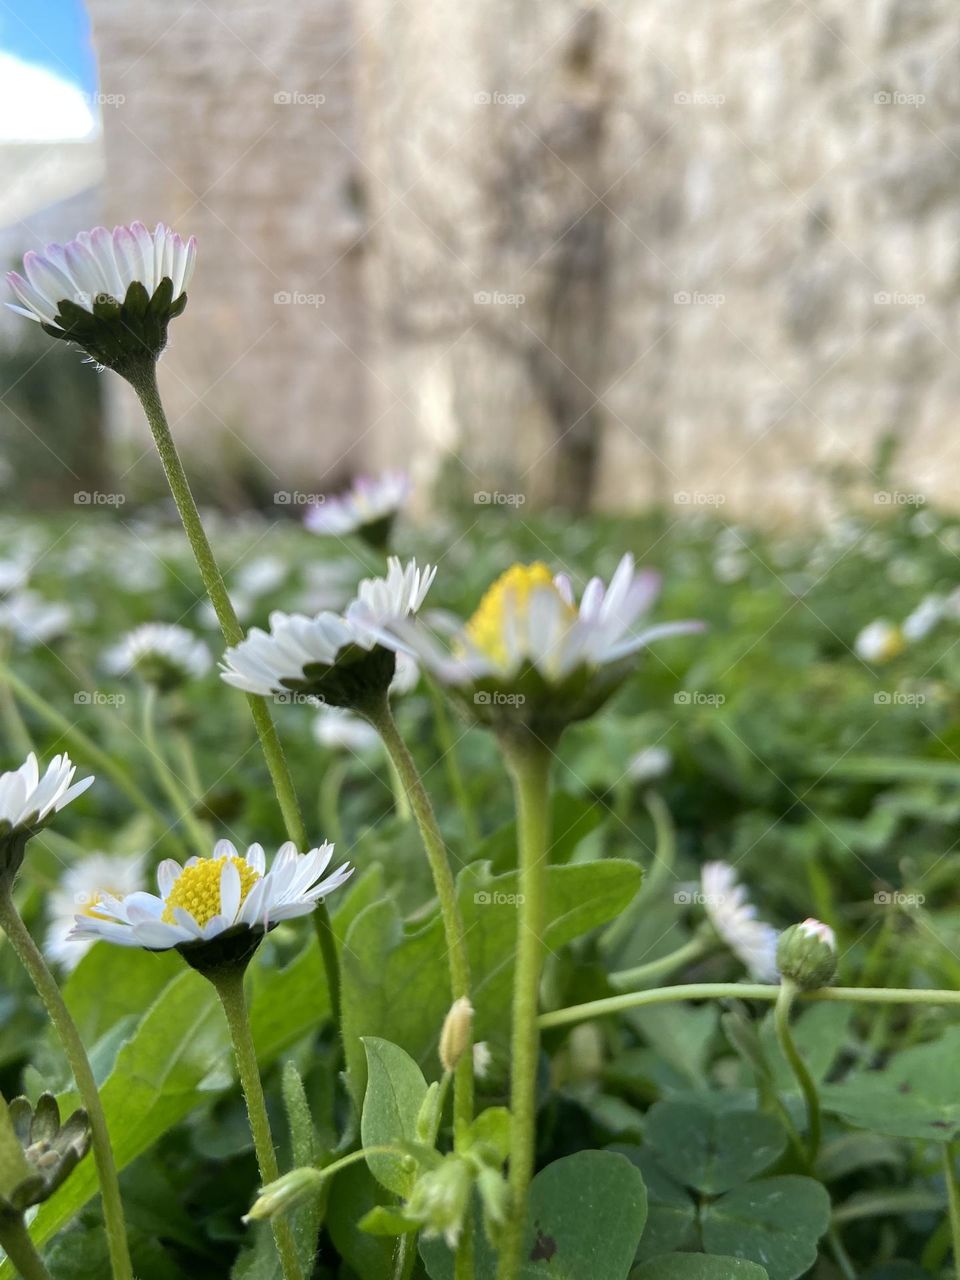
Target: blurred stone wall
233 121
705 252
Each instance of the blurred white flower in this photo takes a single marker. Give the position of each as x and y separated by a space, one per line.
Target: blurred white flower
32 620
879 641
649 764
79 891
162 653
13 574
368 507
731 567
343 731
735 919
918 624
208 896
260 576
406 676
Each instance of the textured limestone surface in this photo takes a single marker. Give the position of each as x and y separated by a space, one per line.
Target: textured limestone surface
706 251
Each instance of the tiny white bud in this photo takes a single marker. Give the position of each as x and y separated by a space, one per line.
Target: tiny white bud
284 1194
457 1033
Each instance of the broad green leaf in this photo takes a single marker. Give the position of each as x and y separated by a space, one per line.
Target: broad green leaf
914 1096
698 1266
671 1212
395 1093
395 982
775 1222
98 1000
681 1035
585 1218
710 1149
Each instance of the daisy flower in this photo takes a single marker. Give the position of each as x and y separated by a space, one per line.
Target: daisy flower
162 653
338 658
879 641
28 802
32 620
734 918
80 890
532 653
343 731
225 900
368 508
112 293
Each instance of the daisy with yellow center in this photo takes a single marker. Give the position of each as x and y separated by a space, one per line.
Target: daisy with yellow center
208 896
530 647
80 892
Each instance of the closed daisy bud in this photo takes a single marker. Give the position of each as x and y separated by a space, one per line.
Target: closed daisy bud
285 1194
807 955
457 1033
37 1153
112 293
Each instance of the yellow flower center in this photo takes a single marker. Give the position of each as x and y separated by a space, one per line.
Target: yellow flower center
197 888
509 594
90 909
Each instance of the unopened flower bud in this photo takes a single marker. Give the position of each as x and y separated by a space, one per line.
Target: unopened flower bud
807 954
286 1193
457 1033
440 1199
482 1058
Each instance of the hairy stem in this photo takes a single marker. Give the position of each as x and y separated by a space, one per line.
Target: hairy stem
143 378
43 980
20 1249
229 987
781 1015
529 763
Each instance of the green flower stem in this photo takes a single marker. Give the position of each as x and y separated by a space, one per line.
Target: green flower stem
86 749
143 378
48 991
953 1199
528 761
19 1248
741 991
661 868
228 983
382 720
182 804
644 973
781 1014
401 805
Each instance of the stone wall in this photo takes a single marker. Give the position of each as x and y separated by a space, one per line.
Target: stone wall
702 251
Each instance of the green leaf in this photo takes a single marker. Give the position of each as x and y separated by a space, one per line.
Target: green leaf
913 1096
395 1093
586 1215
776 1222
681 1035
671 1212
307 1218
698 1266
383 1220
710 1149
395 983
492 1127
160 1075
